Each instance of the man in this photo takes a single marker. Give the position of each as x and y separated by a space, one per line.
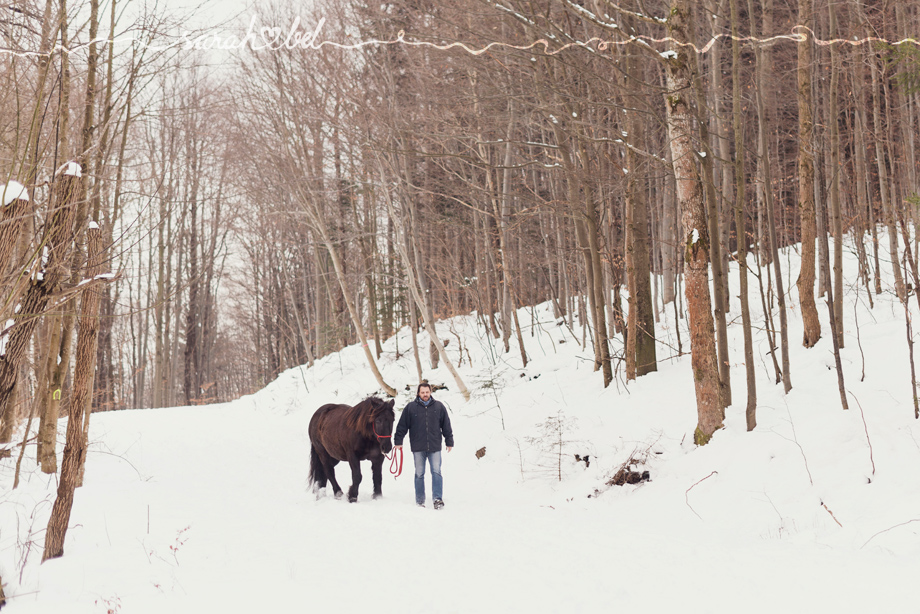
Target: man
425 420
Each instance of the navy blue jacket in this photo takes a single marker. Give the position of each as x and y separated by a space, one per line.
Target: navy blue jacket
425 426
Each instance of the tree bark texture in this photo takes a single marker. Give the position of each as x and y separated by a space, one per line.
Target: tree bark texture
750 410
680 120
806 162
12 221
45 285
836 223
641 310
85 360
760 91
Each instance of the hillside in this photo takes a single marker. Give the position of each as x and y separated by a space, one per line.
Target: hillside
196 509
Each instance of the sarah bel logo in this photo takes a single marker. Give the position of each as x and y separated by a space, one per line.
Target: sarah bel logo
258 37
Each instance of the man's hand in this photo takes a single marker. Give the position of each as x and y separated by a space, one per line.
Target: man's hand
449 448
399 447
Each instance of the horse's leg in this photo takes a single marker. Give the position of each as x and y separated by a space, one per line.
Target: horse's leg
377 469
329 464
355 478
317 471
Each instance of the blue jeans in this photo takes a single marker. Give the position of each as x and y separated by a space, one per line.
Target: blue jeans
437 482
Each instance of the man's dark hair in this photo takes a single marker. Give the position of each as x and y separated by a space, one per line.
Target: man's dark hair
418 391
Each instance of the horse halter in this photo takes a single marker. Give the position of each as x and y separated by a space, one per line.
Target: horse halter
374 426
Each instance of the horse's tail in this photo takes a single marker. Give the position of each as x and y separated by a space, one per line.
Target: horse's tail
317 473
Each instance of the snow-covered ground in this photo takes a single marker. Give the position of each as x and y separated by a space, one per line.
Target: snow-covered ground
207 509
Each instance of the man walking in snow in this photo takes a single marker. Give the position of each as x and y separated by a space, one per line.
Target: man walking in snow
426 420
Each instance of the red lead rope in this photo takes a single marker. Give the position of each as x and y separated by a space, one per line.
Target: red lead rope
395 465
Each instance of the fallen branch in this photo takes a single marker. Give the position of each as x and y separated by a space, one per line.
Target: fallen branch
687 494
832 514
866 428
795 440
888 529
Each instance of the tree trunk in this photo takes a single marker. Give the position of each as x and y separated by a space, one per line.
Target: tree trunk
12 222
740 221
716 248
822 230
721 166
836 223
806 176
191 358
355 318
57 237
760 91
641 336
75 447
882 167
596 288
413 328
861 167
709 399
52 392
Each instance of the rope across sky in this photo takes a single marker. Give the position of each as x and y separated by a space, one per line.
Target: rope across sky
273 38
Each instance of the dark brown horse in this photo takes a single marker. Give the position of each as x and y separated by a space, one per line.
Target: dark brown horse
353 434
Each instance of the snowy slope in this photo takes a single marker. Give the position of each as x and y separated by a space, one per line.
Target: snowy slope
207 508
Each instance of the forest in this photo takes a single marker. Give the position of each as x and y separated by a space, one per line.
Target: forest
180 224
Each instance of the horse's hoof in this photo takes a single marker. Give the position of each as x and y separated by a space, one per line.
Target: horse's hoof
377 495
352 499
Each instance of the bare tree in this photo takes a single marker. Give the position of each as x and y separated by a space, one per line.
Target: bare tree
806 164
679 69
75 448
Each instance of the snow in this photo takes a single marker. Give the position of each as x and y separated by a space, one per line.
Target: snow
4 339
100 276
670 54
92 225
70 168
694 236
200 509
13 190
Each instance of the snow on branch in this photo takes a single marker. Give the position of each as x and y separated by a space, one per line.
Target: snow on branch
13 190
70 168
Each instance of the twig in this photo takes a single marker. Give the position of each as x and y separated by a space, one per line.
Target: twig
139 474
498 404
795 440
866 427
910 352
687 494
858 340
22 449
832 514
888 529
520 455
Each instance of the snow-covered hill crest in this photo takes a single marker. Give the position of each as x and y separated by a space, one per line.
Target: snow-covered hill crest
206 508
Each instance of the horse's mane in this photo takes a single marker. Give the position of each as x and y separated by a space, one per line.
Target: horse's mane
361 416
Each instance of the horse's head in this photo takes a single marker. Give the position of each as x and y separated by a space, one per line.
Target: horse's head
383 418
